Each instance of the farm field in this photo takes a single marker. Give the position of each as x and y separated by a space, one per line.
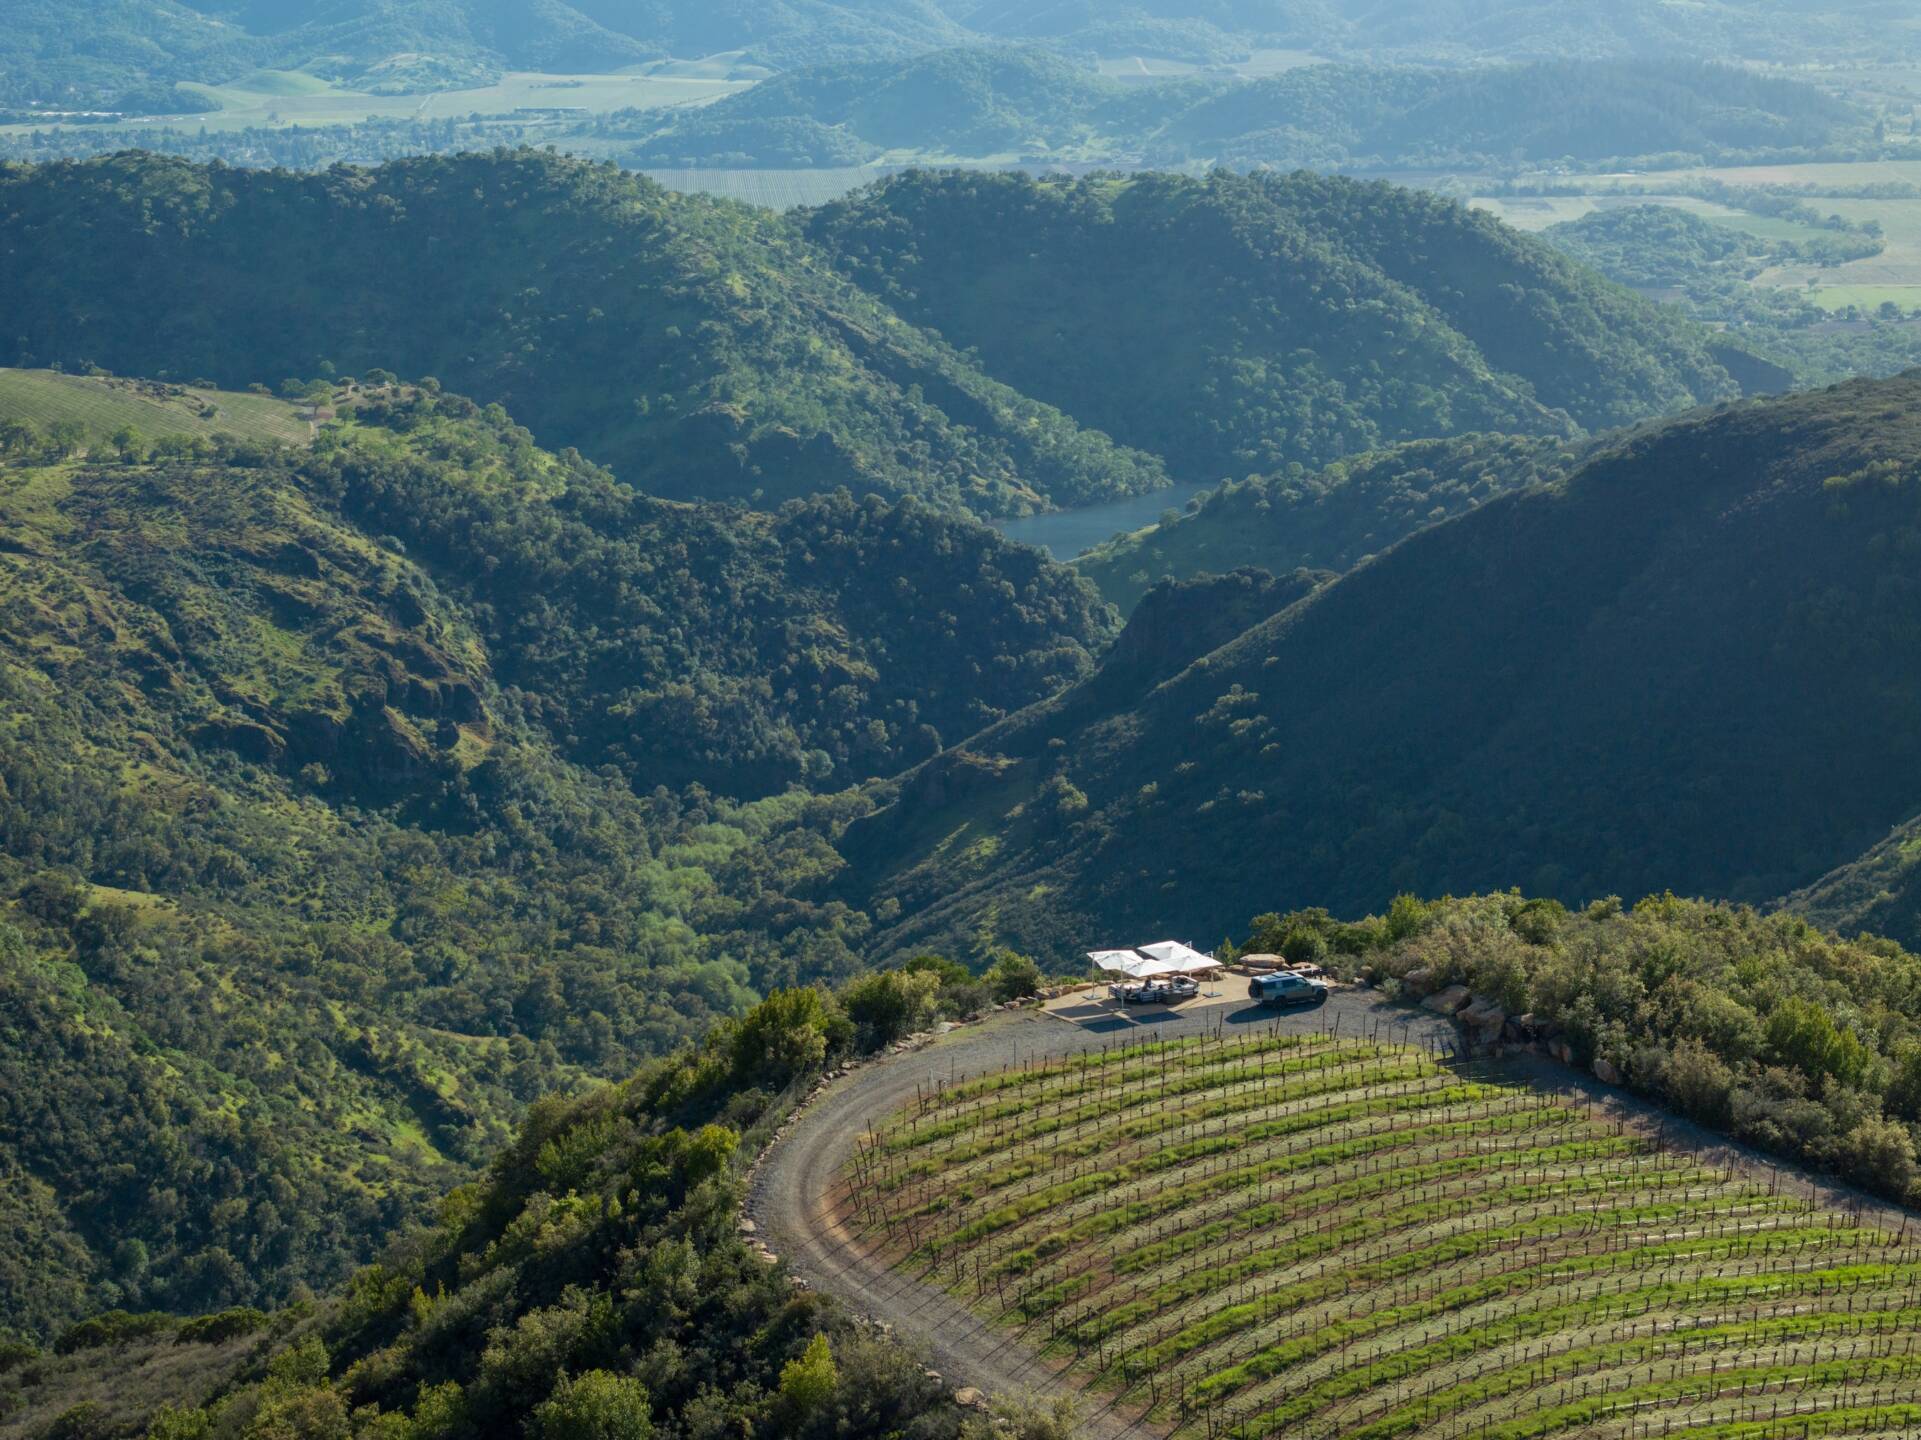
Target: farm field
1538 212
104 404
1257 64
291 97
1251 1234
1895 274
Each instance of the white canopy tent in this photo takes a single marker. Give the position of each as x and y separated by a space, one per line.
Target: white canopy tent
1151 962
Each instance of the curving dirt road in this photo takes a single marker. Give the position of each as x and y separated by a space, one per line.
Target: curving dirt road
790 1198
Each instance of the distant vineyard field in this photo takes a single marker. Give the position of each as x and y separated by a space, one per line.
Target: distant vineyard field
1253 1235
105 404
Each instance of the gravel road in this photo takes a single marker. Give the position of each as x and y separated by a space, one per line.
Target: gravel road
789 1199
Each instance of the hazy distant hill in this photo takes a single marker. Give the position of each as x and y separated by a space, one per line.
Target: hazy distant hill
968 102
1027 101
1207 30
1688 666
1237 324
1579 110
442 42
435 44
697 347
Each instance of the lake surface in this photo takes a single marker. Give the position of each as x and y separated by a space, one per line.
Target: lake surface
1067 533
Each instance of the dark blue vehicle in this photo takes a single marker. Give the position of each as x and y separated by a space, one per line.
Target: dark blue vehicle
1283 989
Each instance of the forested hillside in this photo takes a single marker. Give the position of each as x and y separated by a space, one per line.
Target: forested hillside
696 347
1239 324
354 798
1878 893
1330 520
591 1284
1685 667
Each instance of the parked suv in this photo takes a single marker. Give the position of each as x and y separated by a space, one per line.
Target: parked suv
1285 989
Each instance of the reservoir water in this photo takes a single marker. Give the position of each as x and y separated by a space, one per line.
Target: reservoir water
1067 533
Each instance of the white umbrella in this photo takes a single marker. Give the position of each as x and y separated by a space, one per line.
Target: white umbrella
1178 958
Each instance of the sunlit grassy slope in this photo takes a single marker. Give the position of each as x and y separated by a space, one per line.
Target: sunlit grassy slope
1259 1235
104 404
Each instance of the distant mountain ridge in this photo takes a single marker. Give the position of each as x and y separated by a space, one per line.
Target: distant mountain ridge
1235 325
435 44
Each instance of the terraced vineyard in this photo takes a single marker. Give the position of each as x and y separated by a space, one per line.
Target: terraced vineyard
1255 1234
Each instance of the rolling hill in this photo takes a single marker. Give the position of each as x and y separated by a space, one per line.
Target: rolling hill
696 347
353 798
1683 667
1579 111
1234 325
102 406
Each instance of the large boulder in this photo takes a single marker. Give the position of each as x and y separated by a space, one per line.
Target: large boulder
1418 981
1605 1072
1484 1020
1448 1001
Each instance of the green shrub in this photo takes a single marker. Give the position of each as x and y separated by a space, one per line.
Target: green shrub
788 1033
85 1421
111 1328
891 1004
808 1383
225 1325
596 1406
1013 976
